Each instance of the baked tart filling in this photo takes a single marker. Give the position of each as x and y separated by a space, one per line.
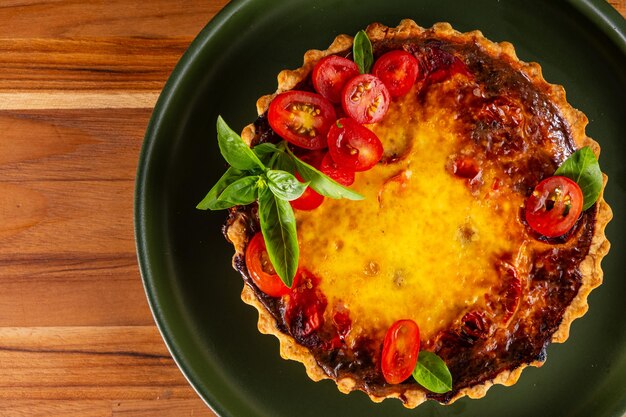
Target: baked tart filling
441 201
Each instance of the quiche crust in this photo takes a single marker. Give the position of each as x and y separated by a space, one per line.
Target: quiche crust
237 230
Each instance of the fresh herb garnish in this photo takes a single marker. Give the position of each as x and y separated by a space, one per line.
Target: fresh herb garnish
321 183
265 151
362 52
432 373
231 175
284 185
265 174
278 225
234 150
241 192
582 167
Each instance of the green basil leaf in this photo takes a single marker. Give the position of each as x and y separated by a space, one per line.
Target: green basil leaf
323 184
274 156
278 225
284 162
582 167
265 152
241 192
284 185
234 150
231 175
432 373
362 52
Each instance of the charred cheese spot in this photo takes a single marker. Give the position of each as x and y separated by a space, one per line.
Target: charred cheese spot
421 245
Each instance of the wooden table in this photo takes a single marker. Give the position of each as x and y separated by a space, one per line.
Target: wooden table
78 80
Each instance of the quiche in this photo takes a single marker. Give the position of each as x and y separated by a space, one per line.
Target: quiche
443 237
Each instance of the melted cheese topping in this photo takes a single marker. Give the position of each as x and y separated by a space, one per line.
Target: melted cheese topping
421 245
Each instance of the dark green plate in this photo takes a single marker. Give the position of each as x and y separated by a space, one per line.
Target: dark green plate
186 264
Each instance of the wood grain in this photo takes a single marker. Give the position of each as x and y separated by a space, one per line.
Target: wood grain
87 64
77 84
74 145
78 80
92 371
90 159
39 99
113 18
103 408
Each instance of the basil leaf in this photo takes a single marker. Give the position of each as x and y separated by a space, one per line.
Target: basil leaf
265 152
323 184
284 185
582 166
278 225
362 52
241 192
432 373
234 150
231 175
284 162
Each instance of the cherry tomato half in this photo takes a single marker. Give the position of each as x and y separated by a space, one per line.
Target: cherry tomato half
342 175
310 199
398 70
365 98
301 118
353 146
554 206
261 270
330 74
304 309
400 350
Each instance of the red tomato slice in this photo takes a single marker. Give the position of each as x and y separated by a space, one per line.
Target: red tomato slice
261 270
342 175
474 325
310 199
365 98
301 118
510 290
304 309
398 70
465 167
353 146
400 350
330 74
554 206
439 65
311 157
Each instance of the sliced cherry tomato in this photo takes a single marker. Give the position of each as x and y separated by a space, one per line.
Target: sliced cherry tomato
353 146
342 175
398 70
400 350
511 295
330 74
365 98
261 270
301 118
474 326
465 167
554 206
311 157
439 65
304 309
309 200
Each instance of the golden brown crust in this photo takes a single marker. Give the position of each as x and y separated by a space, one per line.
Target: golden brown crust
590 267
